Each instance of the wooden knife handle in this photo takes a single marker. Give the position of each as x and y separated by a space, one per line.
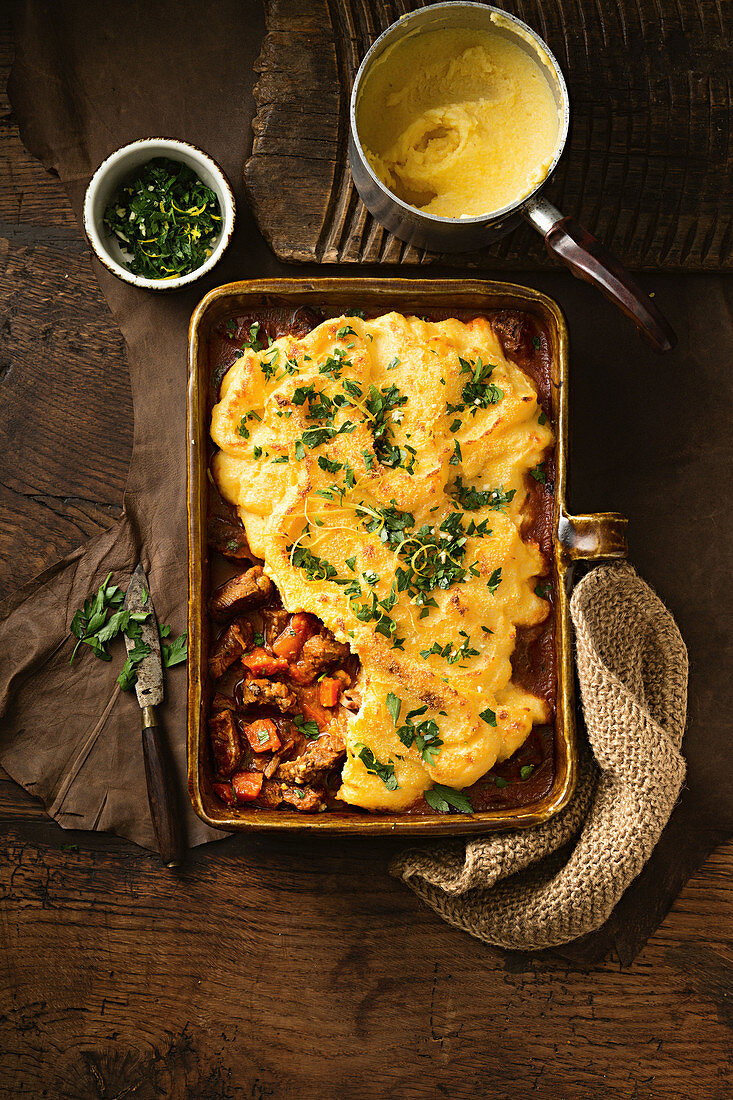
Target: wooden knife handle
163 808
591 261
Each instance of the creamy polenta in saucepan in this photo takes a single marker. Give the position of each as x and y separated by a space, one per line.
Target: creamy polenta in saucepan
458 123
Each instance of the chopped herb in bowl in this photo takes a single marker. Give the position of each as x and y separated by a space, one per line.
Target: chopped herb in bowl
165 220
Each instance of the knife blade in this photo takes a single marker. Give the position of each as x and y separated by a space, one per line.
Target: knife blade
149 686
149 690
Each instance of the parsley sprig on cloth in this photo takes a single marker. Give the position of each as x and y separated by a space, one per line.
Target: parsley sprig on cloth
101 619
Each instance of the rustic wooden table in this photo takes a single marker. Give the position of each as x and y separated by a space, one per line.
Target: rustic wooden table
319 976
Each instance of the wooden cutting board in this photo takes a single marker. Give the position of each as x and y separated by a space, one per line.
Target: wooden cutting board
649 161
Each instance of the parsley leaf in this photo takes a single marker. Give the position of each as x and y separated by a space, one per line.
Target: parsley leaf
175 652
309 728
393 706
385 772
489 716
494 581
443 798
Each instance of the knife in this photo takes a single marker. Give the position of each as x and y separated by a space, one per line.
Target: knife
149 690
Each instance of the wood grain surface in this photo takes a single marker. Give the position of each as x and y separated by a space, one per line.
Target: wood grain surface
267 968
648 165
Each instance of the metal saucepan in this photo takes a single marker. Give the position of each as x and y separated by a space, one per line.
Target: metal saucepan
583 253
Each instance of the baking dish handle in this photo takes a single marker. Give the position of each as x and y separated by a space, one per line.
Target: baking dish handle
590 260
595 537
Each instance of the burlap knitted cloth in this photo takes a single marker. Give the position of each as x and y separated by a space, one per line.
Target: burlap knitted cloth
539 887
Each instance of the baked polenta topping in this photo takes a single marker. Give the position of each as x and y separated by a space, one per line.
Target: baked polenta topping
380 470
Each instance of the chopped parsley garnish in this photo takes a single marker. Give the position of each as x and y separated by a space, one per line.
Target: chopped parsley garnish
344 331
542 419
314 437
165 220
385 772
479 392
538 473
425 735
543 590
449 652
472 499
394 706
432 556
489 716
253 341
354 313
526 770
279 459
494 581
315 568
443 798
328 465
393 363
381 404
456 457
536 343
242 428
309 728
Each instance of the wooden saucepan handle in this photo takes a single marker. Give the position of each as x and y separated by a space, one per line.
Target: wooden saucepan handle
590 260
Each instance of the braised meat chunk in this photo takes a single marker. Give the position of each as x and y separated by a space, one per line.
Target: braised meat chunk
227 536
235 640
268 691
249 589
319 758
270 795
319 653
274 620
226 745
512 328
306 799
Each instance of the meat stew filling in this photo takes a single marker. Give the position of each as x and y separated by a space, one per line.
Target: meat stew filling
283 687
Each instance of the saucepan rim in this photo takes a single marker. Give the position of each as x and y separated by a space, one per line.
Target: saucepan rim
376 49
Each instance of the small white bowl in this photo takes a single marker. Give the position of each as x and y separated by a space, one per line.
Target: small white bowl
118 167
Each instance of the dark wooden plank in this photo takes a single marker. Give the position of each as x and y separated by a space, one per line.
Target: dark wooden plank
66 429
658 194
266 969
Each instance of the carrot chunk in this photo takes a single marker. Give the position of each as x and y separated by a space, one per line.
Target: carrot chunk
247 785
329 691
289 643
260 663
262 735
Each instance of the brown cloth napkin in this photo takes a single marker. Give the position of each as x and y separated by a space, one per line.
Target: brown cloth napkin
90 76
518 889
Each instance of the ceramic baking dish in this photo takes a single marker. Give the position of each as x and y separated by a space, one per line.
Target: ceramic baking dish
589 537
